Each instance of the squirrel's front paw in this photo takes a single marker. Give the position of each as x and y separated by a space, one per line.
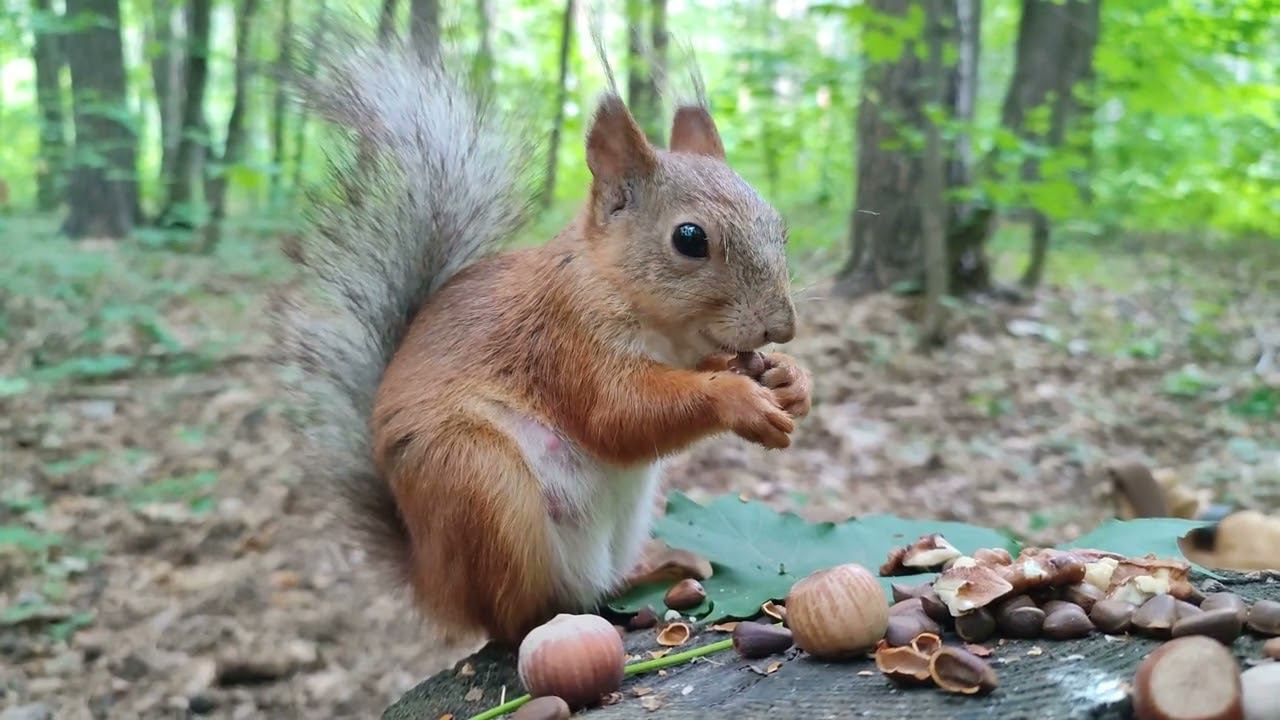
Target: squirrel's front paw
790 384
752 411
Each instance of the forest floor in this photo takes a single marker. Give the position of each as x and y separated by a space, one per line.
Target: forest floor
161 555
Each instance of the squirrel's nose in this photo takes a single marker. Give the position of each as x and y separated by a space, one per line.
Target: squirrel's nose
780 327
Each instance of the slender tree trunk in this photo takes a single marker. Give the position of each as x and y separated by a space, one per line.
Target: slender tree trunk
1054 53
387 21
232 150
640 82
193 145
967 219
483 69
300 131
424 27
562 97
279 102
933 202
47 55
164 36
103 191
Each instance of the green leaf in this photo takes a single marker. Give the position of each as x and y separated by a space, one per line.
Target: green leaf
27 539
1138 537
757 553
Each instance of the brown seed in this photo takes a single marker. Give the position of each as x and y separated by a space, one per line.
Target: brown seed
976 626
1082 594
837 613
905 627
1271 648
910 606
643 620
686 594
1219 600
1185 609
1264 617
755 640
1190 678
1051 606
904 665
1021 622
1156 616
1067 623
906 592
1112 616
547 707
1014 603
1222 625
960 671
935 608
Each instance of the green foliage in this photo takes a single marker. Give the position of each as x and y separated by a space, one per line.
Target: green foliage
758 553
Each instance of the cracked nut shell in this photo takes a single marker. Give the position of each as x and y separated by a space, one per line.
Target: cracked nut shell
960 671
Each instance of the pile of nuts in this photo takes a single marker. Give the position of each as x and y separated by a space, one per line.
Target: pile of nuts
841 613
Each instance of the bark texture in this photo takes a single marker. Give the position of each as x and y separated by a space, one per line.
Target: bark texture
183 191
562 96
47 54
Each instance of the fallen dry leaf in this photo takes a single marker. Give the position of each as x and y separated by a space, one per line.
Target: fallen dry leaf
655 654
675 634
467 670
979 650
612 698
651 702
641 691
724 627
475 694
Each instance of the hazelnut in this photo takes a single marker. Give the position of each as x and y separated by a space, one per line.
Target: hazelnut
685 595
960 671
1190 678
643 620
1067 623
774 610
1264 617
1156 616
1222 625
1021 622
1260 691
1112 616
837 613
575 657
757 640
976 626
547 707
1218 600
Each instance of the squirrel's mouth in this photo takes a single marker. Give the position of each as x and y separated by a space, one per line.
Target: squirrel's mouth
721 346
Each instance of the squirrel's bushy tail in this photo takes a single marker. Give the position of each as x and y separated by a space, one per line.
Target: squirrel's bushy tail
434 181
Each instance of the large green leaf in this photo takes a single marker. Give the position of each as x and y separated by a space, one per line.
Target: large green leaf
757 553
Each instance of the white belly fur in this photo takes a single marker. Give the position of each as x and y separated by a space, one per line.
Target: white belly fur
597 514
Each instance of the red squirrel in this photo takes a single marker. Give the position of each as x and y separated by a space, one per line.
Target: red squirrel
497 420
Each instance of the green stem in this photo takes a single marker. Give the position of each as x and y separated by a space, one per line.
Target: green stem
632 669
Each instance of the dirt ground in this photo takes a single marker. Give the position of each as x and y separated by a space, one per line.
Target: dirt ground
166 558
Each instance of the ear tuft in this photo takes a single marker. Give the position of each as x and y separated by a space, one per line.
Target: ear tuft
694 132
616 146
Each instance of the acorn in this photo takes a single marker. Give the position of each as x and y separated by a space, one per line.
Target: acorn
837 613
685 595
1190 678
757 640
577 658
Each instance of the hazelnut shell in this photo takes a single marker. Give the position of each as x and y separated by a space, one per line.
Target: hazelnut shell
1189 678
837 613
575 657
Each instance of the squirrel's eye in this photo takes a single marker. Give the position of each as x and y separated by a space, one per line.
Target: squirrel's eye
690 241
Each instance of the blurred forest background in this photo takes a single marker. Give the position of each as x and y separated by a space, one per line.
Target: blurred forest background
1029 237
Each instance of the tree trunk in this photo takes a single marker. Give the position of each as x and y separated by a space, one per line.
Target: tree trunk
483 69
886 226
279 102
640 83
216 183
387 21
1054 53
47 55
933 202
103 191
562 96
660 39
424 27
967 219
165 38
181 199
300 131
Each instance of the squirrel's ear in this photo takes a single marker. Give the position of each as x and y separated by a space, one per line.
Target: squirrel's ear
616 146
693 131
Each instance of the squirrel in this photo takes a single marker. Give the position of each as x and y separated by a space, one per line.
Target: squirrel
497 420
